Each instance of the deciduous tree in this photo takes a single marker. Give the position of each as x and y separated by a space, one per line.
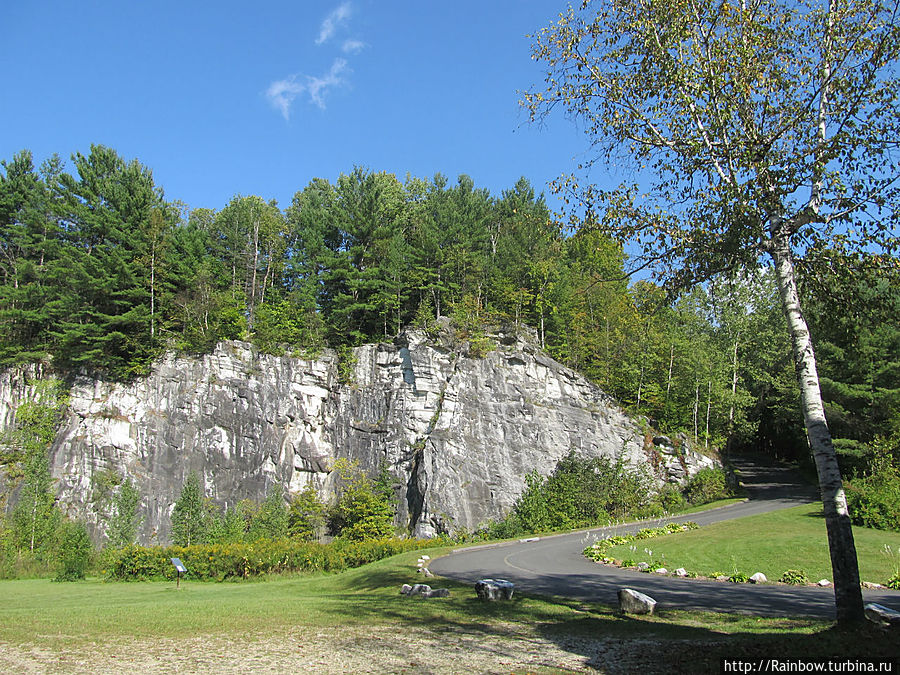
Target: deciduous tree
758 128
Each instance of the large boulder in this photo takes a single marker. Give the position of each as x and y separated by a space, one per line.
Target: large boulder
882 615
492 590
635 602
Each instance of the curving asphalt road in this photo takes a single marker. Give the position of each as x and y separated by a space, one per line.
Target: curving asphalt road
555 566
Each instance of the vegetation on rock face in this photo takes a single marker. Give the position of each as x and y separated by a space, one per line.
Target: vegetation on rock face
37 538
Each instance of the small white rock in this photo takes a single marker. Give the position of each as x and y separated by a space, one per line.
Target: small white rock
661 570
425 557
823 583
681 572
758 578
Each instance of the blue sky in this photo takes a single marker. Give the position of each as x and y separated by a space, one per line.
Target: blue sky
221 98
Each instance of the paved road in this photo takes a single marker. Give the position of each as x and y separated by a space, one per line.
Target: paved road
555 566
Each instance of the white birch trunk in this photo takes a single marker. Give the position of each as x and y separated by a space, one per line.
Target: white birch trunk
845 568
708 408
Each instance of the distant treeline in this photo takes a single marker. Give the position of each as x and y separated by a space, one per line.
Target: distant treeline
101 273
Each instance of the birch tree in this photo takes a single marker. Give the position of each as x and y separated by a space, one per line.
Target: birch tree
754 130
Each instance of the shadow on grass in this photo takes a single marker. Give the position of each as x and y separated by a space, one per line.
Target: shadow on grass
674 641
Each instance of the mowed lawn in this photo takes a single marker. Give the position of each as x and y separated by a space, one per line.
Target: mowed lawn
770 543
198 627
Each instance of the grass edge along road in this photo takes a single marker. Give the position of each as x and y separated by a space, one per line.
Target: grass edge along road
771 543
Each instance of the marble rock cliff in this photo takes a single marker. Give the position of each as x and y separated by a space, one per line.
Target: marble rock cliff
458 433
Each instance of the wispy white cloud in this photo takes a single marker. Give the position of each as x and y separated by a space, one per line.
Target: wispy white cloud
282 93
330 23
319 85
353 46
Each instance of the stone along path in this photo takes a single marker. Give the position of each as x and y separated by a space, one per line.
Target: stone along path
555 566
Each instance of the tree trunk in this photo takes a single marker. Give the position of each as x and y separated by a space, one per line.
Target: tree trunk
696 406
669 377
153 293
734 381
708 407
845 568
640 387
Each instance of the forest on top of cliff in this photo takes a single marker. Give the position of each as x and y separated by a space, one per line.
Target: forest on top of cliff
101 273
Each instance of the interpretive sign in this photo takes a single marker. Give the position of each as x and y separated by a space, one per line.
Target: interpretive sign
179 568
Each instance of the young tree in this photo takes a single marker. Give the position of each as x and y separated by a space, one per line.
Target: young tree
763 128
190 518
271 520
307 515
74 551
363 510
124 522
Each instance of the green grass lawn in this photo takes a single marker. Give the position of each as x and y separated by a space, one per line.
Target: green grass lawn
61 616
769 543
39 610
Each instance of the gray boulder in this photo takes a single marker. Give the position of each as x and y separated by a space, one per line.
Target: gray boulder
420 589
635 602
437 593
882 615
494 589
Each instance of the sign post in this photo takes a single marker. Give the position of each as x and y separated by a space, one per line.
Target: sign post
179 569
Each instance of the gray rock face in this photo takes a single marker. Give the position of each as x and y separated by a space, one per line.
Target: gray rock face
457 433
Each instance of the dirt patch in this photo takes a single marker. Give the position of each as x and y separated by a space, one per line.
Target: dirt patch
340 650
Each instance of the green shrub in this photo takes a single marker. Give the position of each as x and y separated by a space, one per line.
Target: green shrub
307 515
874 499
209 562
583 492
271 518
671 499
739 578
74 551
363 510
794 578
707 485
894 582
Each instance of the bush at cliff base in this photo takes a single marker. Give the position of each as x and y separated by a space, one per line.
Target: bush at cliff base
243 560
